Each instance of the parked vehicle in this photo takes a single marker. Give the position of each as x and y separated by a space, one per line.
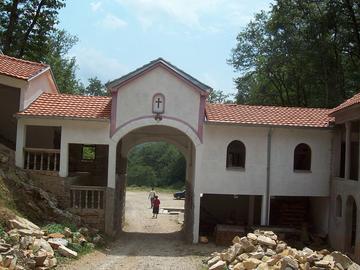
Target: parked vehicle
179 195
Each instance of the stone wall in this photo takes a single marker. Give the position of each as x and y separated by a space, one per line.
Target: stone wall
58 186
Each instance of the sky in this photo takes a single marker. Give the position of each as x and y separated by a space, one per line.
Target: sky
118 36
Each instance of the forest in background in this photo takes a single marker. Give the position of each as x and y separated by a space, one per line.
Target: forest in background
156 164
299 53
302 53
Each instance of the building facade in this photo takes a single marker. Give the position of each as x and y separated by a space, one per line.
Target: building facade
246 165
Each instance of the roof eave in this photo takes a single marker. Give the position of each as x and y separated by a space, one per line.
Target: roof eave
114 85
329 127
340 110
38 74
61 117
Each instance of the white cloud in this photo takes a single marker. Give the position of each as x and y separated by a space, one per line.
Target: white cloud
197 14
95 6
93 63
112 22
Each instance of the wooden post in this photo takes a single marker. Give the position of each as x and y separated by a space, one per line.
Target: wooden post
35 160
28 160
48 162
98 199
54 169
86 199
41 161
92 199
347 150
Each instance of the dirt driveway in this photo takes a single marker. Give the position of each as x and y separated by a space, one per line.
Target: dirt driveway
147 243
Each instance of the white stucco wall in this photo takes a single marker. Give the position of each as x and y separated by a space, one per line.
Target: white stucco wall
36 86
72 131
216 178
284 181
134 99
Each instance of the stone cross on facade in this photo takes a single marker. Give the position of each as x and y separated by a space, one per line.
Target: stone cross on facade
158 105
158 102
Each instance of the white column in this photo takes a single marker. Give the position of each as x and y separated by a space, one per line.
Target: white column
197 190
64 156
264 205
336 154
347 149
251 210
20 143
111 181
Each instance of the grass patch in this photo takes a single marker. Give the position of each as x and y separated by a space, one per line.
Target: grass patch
81 249
2 231
59 228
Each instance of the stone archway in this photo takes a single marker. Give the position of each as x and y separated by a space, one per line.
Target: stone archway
150 133
351 224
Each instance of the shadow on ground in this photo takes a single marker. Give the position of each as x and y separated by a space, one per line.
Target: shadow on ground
156 244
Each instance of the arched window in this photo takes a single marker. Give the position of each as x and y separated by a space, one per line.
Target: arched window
302 157
338 206
235 157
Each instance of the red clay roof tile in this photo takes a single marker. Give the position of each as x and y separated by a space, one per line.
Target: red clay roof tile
19 68
267 115
73 106
347 103
88 107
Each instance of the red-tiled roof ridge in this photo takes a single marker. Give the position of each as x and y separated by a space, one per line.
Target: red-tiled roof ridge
268 115
269 106
69 106
20 68
355 99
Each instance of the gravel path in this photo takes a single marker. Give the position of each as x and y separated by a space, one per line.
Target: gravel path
146 243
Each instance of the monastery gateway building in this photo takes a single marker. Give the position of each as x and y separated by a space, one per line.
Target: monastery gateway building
248 166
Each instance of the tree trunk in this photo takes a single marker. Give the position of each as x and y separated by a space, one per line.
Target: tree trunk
349 6
11 26
30 28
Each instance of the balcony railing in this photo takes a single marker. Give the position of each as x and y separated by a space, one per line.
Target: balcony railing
87 197
42 160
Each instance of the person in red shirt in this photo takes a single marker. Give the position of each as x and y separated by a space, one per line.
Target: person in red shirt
156 206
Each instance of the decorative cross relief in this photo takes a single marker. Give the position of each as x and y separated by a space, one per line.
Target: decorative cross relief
158 106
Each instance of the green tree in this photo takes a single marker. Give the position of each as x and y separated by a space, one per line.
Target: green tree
95 88
142 175
63 67
159 164
26 26
300 53
219 96
28 30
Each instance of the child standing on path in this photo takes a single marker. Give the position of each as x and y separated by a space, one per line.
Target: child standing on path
151 197
156 206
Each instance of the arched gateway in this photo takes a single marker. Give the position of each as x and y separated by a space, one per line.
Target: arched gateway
80 144
155 102
230 186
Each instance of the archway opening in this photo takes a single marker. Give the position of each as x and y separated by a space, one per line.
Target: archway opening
160 157
156 164
351 224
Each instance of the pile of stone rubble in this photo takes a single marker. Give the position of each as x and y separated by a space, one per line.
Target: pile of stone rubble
26 246
263 250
